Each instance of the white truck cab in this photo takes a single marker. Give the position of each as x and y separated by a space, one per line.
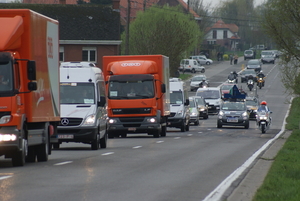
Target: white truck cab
82 105
179 106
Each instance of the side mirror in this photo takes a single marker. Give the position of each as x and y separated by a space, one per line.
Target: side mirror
163 88
31 70
102 101
187 102
32 86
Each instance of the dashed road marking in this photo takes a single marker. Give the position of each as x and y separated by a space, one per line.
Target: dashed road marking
108 153
4 177
64 163
176 138
136 147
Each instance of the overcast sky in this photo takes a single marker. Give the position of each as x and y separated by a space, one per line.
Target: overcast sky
216 2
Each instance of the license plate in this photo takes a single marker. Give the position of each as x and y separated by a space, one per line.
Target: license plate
65 136
131 129
232 119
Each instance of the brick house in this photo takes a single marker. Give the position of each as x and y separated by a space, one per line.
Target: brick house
225 35
87 32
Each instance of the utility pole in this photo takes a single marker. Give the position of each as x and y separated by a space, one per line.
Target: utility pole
127 29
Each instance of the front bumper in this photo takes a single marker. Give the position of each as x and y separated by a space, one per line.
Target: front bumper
240 122
133 125
175 122
213 108
79 134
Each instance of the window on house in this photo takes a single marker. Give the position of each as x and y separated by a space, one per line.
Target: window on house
225 34
89 54
214 34
61 54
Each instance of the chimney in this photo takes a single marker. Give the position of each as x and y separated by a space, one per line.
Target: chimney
116 4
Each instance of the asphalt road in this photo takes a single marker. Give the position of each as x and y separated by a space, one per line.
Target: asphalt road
181 166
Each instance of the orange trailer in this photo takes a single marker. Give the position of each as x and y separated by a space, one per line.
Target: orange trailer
29 84
138 94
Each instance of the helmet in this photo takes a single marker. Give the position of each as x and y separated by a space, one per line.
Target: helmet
234 72
261 71
231 72
263 103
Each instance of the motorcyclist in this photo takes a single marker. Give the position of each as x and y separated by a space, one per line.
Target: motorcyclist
261 75
231 76
264 108
203 83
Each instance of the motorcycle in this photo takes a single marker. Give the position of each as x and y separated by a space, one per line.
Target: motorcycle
263 121
250 84
203 84
260 82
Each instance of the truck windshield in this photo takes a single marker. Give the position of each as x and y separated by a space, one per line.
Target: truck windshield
176 97
6 72
77 93
131 89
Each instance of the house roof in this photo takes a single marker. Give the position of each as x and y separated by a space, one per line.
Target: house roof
79 22
138 5
221 25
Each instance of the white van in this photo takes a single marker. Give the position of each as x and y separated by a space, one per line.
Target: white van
82 105
191 65
212 96
179 106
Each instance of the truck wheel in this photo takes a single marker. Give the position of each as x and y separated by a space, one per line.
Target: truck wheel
163 132
187 127
193 70
96 142
183 126
19 157
103 140
42 150
31 156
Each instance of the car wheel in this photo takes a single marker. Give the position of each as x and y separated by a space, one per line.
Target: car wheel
247 125
206 116
219 125
207 63
196 123
203 70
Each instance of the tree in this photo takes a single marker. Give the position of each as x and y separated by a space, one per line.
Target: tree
282 24
163 30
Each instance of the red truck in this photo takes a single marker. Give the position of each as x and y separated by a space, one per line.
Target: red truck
138 94
29 85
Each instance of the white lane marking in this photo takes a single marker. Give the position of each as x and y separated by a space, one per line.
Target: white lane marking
199 132
218 192
108 153
5 177
176 138
159 142
209 129
64 163
136 147
190 135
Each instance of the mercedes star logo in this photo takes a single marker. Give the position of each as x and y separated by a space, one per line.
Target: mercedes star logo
64 122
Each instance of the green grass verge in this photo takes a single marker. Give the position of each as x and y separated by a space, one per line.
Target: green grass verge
185 76
283 179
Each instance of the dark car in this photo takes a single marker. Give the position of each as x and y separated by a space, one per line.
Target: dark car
202 106
268 59
246 73
254 64
233 114
252 105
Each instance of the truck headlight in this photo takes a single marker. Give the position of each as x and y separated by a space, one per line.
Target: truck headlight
90 120
7 137
112 121
151 120
5 119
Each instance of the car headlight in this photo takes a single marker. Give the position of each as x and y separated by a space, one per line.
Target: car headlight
221 113
245 114
90 120
194 114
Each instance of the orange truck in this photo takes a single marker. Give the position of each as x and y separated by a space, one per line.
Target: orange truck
138 94
29 85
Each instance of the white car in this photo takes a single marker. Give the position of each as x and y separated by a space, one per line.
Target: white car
195 81
202 59
191 65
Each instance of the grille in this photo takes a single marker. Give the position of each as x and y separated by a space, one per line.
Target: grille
172 114
71 121
132 119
